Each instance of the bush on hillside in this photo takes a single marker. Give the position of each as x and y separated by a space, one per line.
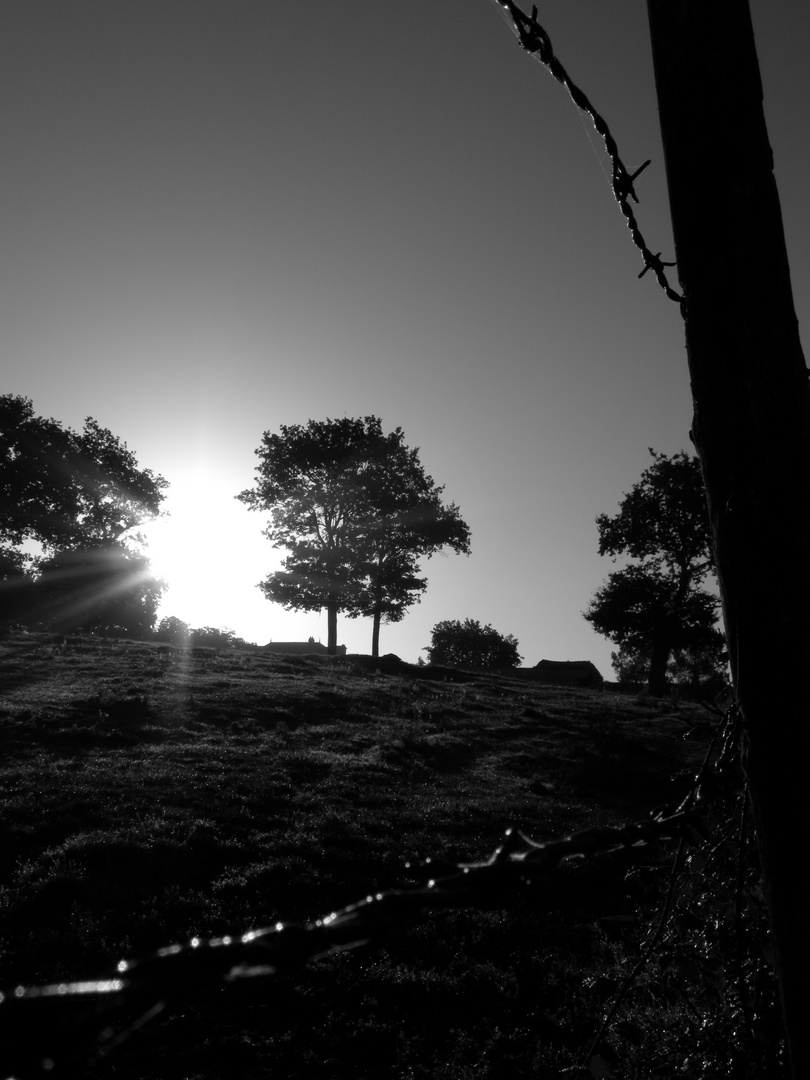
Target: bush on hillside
470 645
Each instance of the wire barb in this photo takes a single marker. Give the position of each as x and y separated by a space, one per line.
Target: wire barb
654 263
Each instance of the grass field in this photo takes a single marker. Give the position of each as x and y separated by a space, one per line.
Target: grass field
150 794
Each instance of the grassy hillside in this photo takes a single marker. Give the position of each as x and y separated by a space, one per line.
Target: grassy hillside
150 794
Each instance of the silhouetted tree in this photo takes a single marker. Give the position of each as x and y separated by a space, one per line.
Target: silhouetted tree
469 645
355 511
656 605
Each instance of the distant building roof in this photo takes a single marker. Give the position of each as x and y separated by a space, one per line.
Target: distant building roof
301 648
567 673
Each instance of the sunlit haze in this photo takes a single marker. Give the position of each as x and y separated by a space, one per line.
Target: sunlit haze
220 218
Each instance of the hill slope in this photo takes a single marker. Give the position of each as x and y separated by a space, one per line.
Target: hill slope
150 794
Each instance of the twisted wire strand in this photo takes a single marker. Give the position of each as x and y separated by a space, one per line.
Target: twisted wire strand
535 41
181 970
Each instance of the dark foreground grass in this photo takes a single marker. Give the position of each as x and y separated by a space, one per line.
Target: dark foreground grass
149 794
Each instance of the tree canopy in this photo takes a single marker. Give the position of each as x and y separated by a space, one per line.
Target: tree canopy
468 644
355 511
655 606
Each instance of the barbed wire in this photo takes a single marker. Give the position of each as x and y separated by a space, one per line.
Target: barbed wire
179 971
535 41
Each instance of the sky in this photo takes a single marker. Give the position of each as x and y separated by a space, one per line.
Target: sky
221 217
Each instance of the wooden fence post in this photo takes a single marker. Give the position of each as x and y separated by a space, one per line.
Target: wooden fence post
751 426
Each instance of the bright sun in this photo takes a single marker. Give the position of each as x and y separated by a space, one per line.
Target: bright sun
210 553
178 551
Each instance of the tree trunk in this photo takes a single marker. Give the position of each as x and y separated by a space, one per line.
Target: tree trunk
331 627
663 637
751 423
659 658
378 605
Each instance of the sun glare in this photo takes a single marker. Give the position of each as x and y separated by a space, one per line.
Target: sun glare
175 551
210 553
